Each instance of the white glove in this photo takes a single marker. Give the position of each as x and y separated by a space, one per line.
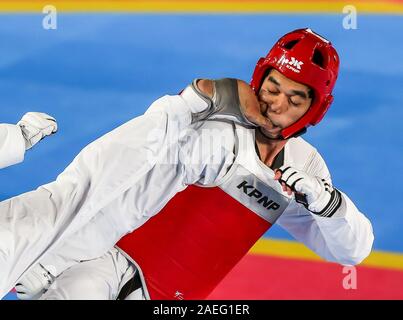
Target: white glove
35 283
317 195
35 126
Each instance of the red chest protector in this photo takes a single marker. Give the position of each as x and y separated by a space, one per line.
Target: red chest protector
185 250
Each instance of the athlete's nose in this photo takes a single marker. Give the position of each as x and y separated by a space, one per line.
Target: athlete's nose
278 104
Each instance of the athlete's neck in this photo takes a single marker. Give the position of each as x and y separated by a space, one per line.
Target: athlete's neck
268 148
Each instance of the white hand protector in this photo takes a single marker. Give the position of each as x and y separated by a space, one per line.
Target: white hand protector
320 197
35 126
35 283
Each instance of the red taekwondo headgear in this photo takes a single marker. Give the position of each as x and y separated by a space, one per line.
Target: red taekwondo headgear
307 58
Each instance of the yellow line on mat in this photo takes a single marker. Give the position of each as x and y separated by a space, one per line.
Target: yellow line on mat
207 6
291 249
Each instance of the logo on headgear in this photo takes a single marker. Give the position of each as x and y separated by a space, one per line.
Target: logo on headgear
292 64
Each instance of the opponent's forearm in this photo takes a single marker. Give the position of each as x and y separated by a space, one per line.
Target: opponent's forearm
197 104
232 102
15 139
102 171
12 145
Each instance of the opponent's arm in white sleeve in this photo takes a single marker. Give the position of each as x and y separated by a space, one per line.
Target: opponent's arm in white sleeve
342 234
15 139
242 108
12 145
101 172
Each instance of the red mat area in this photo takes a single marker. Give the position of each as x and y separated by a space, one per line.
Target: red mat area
264 277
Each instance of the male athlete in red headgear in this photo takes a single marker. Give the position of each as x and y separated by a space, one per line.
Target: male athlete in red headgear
199 178
304 57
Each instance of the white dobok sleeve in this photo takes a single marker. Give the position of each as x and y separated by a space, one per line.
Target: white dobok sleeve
202 162
12 145
35 222
345 238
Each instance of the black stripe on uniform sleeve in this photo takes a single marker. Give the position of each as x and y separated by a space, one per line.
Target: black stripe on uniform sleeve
333 205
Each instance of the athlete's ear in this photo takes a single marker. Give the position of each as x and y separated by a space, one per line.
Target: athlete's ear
206 86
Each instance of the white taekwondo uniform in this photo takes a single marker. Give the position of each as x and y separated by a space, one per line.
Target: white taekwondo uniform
12 145
121 180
